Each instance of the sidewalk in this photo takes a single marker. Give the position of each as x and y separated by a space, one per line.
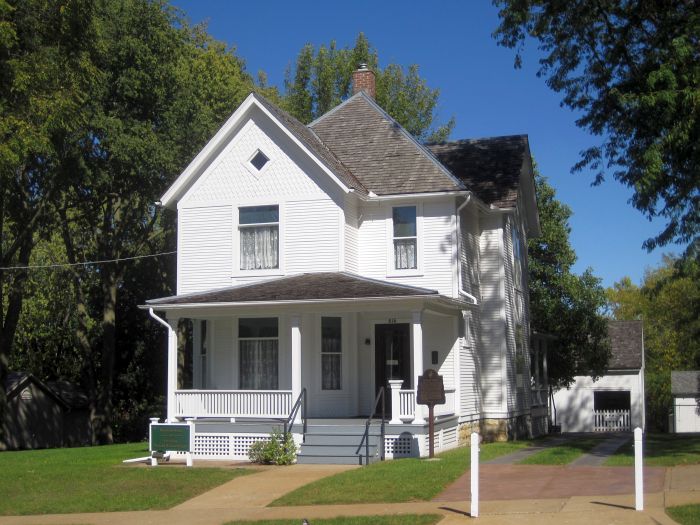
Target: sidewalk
245 498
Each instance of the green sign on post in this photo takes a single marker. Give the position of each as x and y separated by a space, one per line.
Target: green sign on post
176 438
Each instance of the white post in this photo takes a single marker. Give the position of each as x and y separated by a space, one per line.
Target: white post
295 323
188 456
474 470
417 334
395 387
154 460
638 471
172 368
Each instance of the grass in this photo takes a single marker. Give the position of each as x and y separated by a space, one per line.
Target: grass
562 454
660 450
393 481
685 514
406 519
93 479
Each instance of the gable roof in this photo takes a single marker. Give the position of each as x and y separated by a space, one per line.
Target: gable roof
15 383
685 383
380 153
322 286
304 138
626 345
490 167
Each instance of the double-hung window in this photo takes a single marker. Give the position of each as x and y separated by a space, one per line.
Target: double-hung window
259 237
258 345
405 238
203 353
331 353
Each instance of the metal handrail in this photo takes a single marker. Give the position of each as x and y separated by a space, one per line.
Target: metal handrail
300 402
365 436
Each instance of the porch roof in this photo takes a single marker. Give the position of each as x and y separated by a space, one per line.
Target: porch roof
306 287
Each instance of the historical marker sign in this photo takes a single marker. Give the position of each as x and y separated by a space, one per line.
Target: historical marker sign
431 392
177 438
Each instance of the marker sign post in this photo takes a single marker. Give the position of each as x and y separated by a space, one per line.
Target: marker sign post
431 392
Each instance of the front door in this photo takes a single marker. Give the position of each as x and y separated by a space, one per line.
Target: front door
392 357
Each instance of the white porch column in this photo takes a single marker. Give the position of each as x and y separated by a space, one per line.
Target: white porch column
395 387
417 336
172 368
295 323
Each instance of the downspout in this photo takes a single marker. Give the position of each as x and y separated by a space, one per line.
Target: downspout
172 366
460 285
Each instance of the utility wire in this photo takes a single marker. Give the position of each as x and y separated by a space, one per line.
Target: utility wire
88 263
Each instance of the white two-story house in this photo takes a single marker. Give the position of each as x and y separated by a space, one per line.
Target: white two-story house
322 264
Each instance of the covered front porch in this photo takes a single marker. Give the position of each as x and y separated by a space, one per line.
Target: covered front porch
251 360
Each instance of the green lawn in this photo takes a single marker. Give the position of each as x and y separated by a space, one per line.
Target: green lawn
685 514
93 479
393 481
661 450
406 519
562 454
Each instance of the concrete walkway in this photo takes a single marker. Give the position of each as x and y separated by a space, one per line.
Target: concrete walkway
597 456
245 498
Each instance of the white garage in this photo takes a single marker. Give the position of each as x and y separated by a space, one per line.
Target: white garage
685 388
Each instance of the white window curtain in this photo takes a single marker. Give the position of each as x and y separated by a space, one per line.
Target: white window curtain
405 254
259 247
259 364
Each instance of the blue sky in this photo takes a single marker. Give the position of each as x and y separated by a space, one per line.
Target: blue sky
451 42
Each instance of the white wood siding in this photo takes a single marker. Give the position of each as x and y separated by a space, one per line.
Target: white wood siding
439 335
204 254
436 251
493 324
310 203
352 236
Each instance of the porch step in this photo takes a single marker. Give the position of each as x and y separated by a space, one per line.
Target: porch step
337 443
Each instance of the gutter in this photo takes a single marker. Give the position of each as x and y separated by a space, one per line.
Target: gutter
460 284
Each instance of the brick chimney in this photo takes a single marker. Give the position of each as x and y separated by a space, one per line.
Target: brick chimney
363 80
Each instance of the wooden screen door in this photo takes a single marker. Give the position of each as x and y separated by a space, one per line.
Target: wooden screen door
392 357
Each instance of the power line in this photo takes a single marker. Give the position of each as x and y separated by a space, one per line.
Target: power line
88 263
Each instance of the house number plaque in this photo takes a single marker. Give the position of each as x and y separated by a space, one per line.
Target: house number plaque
431 392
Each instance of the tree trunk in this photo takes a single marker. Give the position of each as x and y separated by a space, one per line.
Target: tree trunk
103 410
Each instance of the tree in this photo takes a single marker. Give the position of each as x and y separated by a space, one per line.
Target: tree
322 79
632 70
44 73
668 302
160 91
562 303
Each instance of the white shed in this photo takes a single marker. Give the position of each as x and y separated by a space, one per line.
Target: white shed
685 388
615 401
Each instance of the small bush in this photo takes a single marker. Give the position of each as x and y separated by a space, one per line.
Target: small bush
278 450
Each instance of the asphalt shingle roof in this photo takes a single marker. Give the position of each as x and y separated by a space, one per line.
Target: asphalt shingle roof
490 167
379 152
314 143
685 383
627 344
307 286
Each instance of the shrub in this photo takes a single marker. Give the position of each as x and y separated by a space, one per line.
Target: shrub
280 449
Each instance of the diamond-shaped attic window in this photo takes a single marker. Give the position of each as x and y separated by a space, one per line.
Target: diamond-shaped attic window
259 160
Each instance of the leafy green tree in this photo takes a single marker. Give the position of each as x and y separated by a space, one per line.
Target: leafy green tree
161 91
668 301
632 72
562 303
44 73
322 79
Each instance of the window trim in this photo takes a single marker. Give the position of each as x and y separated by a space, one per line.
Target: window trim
391 271
248 163
236 244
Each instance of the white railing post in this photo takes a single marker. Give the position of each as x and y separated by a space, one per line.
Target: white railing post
474 471
638 470
395 387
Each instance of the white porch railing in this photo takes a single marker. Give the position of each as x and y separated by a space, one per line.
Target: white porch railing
233 403
407 404
611 421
